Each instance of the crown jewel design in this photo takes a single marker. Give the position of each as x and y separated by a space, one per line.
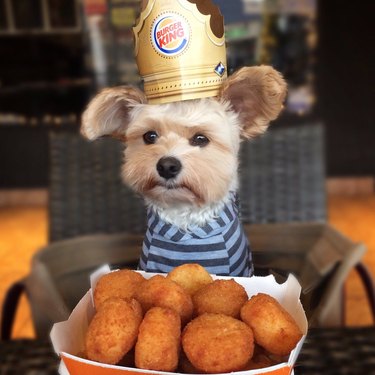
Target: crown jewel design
180 50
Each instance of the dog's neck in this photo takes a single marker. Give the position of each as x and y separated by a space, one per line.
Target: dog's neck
188 216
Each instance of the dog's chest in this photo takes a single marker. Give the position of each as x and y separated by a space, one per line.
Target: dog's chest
220 246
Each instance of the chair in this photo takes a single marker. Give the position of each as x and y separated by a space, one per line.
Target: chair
95 219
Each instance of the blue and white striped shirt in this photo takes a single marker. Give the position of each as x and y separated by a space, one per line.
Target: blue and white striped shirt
221 246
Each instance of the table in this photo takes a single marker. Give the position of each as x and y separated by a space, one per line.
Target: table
334 351
338 351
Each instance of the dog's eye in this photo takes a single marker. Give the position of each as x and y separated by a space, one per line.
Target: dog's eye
150 137
199 140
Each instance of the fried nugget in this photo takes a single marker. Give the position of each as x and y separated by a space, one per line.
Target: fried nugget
273 327
163 292
216 343
220 297
158 343
113 330
191 277
121 284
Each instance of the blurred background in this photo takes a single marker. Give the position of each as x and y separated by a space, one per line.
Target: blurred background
56 54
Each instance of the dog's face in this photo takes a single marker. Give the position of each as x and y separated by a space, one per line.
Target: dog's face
182 153
186 152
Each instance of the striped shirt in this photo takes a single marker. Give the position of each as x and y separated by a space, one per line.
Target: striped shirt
221 246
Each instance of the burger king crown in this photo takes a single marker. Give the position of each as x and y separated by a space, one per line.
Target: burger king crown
180 50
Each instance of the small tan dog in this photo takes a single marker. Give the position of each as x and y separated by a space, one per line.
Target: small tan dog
182 158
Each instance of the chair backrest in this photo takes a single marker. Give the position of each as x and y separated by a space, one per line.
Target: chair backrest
282 176
86 193
282 179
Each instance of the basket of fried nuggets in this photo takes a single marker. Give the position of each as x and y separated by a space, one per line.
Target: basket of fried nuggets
188 322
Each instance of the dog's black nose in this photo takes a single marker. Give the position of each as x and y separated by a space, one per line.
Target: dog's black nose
168 167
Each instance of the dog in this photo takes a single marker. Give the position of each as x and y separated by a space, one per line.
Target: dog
182 157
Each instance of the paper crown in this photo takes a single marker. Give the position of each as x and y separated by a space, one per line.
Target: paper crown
180 50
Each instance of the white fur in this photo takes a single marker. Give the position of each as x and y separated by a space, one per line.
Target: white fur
186 217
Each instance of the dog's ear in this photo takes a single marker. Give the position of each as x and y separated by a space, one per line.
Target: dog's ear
257 95
108 112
